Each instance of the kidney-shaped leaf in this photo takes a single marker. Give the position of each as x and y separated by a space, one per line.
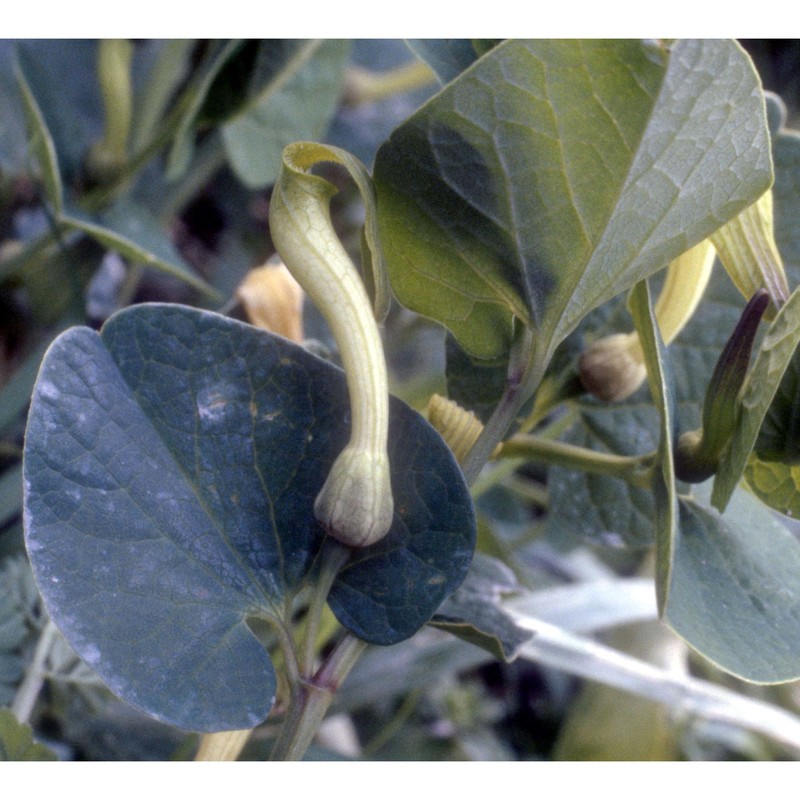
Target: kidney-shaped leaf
553 175
170 469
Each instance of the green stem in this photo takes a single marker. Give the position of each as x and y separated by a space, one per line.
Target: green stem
364 86
636 470
312 698
334 556
524 375
28 692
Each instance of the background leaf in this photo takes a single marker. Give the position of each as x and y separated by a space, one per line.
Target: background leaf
448 58
774 483
171 465
296 102
133 232
541 201
474 611
71 109
42 144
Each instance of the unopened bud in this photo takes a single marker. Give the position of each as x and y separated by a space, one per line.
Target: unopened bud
698 452
613 368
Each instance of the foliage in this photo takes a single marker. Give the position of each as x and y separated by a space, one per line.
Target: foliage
524 200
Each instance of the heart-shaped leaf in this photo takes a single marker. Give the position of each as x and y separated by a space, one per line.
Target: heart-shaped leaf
553 175
171 466
735 587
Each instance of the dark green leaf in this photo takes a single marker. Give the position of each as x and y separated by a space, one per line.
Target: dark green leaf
171 466
610 511
475 386
16 741
735 591
553 175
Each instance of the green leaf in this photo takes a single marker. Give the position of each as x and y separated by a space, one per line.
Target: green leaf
553 175
135 234
474 612
171 466
775 483
735 590
448 58
41 144
295 103
660 380
16 741
775 354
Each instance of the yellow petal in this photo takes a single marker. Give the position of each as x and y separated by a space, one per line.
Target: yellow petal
746 247
273 300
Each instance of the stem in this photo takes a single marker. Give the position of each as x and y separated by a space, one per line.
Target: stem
524 374
28 692
633 469
223 746
312 698
365 86
334 557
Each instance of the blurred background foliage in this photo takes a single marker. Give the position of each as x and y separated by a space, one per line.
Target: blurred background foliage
174 208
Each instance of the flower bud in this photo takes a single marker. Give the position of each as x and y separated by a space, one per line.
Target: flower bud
612 368
698 452
273 300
